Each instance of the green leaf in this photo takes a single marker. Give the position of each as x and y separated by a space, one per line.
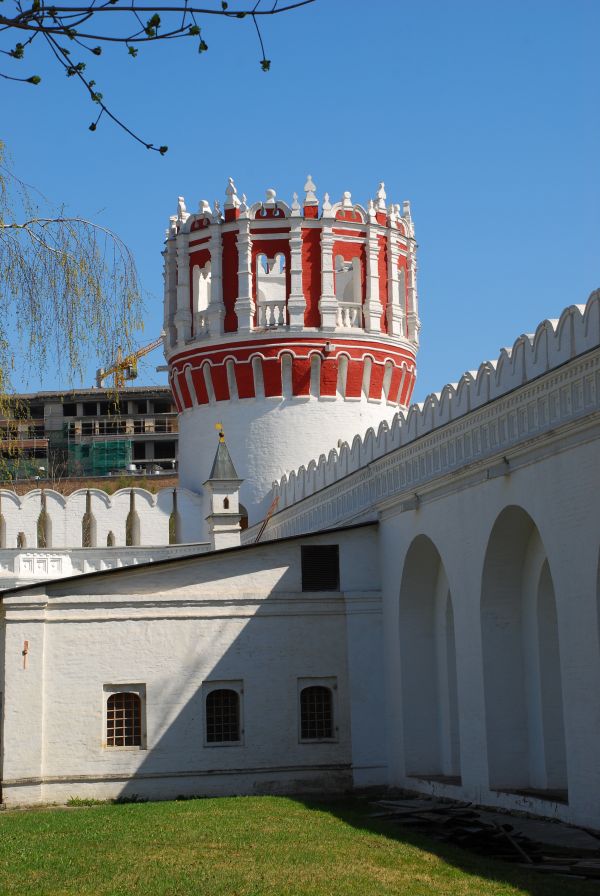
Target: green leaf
265 64
202 46
194 30
93 126
163 149
224 4
18 51
132 51
35 79
97 51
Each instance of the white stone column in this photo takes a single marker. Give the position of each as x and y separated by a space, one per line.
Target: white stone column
372 309
328 305
412 317
395 308
296 300
183 314
170 285
216 308
244 306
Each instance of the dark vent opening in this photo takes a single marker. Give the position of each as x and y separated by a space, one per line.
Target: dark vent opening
320 567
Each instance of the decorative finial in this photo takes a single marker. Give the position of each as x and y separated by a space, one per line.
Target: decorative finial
270 194
347 199
172 225
372 209
243 205
219 428
326 203
406 209
381 197
182 212
232 200
217 208
204 207
295 206
309 189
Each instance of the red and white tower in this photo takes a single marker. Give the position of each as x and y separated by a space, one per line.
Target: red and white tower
295 326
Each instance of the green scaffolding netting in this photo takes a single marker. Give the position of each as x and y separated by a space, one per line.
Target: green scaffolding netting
99 458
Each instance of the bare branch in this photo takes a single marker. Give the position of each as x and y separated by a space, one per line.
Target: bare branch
88 27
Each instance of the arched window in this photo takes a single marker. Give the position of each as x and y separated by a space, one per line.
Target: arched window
244 518
21 540
201 286
225 503
271 290
316 713
222 716
124 720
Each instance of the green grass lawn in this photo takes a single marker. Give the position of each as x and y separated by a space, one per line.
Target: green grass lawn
247 846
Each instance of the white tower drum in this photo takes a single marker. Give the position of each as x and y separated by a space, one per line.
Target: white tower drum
295 326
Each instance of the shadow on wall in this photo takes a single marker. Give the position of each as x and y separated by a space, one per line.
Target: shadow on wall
225 717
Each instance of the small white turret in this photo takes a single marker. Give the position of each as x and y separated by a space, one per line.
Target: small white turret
223 488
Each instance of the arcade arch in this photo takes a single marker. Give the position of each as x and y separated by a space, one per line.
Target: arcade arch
428 666
521 661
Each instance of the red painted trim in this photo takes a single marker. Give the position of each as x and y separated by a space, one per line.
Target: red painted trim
219 381
394 384
311 211
230 279
311 275
301 376
329 376
382 264
354 379
376 381
244 378
272 377
200 385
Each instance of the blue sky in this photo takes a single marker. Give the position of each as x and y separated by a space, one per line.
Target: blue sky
484 114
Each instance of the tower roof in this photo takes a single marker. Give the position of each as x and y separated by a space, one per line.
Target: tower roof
222 467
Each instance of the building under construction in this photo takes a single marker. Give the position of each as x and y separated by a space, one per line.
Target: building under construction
89 433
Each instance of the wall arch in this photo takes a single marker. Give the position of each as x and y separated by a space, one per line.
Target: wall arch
521 661
430 704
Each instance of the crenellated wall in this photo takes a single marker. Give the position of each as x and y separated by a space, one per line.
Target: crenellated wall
20 515
554 343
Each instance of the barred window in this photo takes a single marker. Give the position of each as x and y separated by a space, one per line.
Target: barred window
316 713
124 720
222 716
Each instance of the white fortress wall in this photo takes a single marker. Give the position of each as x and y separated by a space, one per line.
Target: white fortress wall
576 332
21 513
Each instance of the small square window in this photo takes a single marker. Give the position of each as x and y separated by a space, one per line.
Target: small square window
320 567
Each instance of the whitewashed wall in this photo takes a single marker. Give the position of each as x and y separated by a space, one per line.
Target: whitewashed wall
236 616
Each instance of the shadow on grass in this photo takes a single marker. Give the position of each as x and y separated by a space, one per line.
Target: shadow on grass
355 811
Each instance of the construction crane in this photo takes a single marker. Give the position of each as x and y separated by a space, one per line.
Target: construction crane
125 367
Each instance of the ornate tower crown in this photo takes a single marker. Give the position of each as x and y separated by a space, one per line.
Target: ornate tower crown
282 304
